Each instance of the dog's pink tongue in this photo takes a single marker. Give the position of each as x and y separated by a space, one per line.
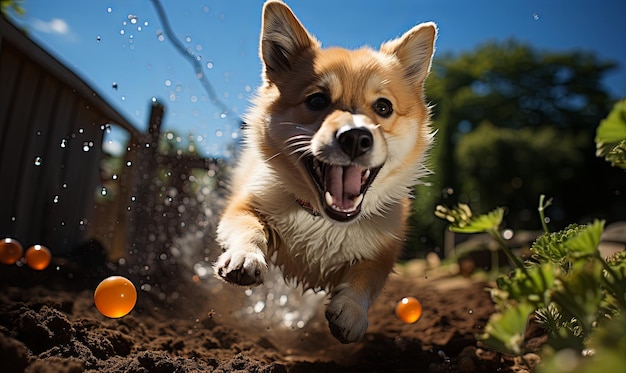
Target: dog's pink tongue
343 183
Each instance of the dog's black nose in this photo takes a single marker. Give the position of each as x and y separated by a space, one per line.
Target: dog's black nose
355 142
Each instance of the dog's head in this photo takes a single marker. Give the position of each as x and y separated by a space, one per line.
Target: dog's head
347 130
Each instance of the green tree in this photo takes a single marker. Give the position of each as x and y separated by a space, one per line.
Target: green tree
537 102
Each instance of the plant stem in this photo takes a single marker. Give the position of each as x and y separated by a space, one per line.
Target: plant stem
514 260
541 210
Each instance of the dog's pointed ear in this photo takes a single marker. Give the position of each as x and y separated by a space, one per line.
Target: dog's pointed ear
283 38
415 51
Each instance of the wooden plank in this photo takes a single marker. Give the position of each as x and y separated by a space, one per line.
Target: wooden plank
9 72
55 230
13 158
81 171
29 205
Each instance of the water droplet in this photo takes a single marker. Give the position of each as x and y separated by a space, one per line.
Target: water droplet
63 143
188 39
129 163
38 161
103 191
122 32
535 16
223 115
55 199
132 18
160 36
109 10
86 146
168 82
114 177
145 23
123 98
114 85
98 38
209 65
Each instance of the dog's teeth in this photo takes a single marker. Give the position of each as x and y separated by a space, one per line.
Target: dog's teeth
329 198
357 200
365 176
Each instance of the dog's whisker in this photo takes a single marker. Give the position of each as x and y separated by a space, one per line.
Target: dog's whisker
272 157
303 150
299 143
299 137
298 126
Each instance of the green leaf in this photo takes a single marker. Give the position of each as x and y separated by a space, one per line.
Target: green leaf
587 241
481 223
611 136
505 331
612 129
531 285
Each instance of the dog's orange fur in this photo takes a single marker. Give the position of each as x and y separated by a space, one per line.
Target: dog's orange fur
312 102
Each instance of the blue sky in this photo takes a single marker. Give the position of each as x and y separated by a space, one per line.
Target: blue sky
119 41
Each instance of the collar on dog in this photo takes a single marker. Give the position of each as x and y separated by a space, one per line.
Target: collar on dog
306 205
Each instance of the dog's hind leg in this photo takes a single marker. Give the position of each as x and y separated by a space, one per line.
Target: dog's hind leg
347 311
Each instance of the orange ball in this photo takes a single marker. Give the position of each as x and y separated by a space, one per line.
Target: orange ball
115 296
409 310
38 257
10 251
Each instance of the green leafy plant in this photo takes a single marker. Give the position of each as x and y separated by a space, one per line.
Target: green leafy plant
566 286
611 136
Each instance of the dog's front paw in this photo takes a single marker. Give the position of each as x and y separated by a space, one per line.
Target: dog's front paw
246 268
347 316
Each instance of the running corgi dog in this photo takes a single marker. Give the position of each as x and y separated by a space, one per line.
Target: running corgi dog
333 145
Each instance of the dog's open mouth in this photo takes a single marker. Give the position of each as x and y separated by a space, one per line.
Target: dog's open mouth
341 188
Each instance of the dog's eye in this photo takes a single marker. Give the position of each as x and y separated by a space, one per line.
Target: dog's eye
317 101
383 107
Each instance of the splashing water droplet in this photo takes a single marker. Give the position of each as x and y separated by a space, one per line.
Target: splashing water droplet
223 115
55 199
535 16
38 161
63 143
98 38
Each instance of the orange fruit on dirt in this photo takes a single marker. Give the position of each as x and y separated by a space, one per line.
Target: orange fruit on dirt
409 310
38 257
115 296
10 251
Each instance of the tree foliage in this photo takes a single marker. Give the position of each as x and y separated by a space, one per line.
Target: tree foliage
515 122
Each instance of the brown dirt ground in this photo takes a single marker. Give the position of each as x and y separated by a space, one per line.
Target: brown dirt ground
48 323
